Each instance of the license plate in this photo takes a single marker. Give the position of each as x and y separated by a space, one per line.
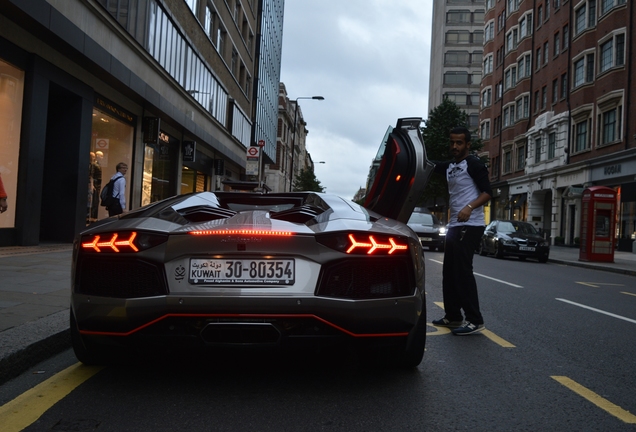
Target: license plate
242 271
426 238
526 248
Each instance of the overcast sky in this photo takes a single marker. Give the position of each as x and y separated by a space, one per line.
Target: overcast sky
370 60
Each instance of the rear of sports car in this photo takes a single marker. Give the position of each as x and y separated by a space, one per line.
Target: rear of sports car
218 271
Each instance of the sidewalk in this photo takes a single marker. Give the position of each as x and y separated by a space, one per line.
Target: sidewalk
35 295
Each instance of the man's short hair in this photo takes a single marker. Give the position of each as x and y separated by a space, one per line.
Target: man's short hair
121 165
461 130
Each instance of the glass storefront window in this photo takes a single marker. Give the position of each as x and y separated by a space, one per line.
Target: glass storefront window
159 171
112 142
11 95
192 181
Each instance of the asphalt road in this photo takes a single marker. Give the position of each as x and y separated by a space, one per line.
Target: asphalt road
558 354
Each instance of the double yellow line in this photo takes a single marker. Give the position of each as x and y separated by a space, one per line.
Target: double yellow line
30 405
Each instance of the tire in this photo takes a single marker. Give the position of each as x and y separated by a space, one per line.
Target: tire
522 258
81 348
543 259
500 252
413 353
482 249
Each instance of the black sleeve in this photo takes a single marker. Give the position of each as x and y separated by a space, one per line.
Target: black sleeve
479 173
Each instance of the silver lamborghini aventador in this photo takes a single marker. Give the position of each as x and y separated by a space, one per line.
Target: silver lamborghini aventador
214 270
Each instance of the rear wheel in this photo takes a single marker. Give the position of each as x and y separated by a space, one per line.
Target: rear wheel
416 343
82 349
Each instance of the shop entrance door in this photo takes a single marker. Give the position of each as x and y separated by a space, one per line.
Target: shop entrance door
63 210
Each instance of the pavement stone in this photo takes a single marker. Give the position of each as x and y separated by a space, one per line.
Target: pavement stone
35 297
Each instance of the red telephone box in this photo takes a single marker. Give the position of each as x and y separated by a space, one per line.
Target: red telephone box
598 220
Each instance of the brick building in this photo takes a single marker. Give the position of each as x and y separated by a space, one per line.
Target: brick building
555 110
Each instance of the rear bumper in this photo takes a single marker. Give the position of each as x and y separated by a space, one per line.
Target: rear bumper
215 321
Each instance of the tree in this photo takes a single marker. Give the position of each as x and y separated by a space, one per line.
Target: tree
435 133
306 181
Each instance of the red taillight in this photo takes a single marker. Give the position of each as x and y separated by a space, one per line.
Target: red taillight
372 246
242 232
360 243
111 242
125 241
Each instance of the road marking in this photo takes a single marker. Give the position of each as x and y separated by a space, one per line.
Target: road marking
597 400
490 335
598 310
628 293
499 280
496 339
487 277
598 284
24 410
440 330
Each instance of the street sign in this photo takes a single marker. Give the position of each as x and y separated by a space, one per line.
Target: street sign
261 143
253 152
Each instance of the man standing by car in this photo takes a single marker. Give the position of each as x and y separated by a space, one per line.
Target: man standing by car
469 189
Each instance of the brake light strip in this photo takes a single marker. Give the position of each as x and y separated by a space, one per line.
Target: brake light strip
177 315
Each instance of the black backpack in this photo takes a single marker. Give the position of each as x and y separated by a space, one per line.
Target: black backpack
106 195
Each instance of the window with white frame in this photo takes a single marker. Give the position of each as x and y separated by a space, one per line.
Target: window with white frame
546 55
537 150
499 90
612 52
557 43
507 160
584 16
607 5
582 135
512 39
486 97
521 155
510 77
525 25
610 125
583 70
551 145
488 64
489 31
490 4
485 130
523 106
509 115
525 66
513 6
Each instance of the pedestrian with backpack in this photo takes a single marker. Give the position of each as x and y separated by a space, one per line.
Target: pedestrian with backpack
114 192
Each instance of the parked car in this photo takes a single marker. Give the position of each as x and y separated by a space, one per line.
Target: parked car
514 238
216 270
428 228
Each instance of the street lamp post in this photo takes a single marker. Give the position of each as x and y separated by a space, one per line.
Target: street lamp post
291 166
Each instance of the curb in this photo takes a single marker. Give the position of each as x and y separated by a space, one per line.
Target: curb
594 267
25 346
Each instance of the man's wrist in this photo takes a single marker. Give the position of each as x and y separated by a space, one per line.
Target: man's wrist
470 207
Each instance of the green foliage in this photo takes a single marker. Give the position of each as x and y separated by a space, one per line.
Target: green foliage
436 134
306 181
